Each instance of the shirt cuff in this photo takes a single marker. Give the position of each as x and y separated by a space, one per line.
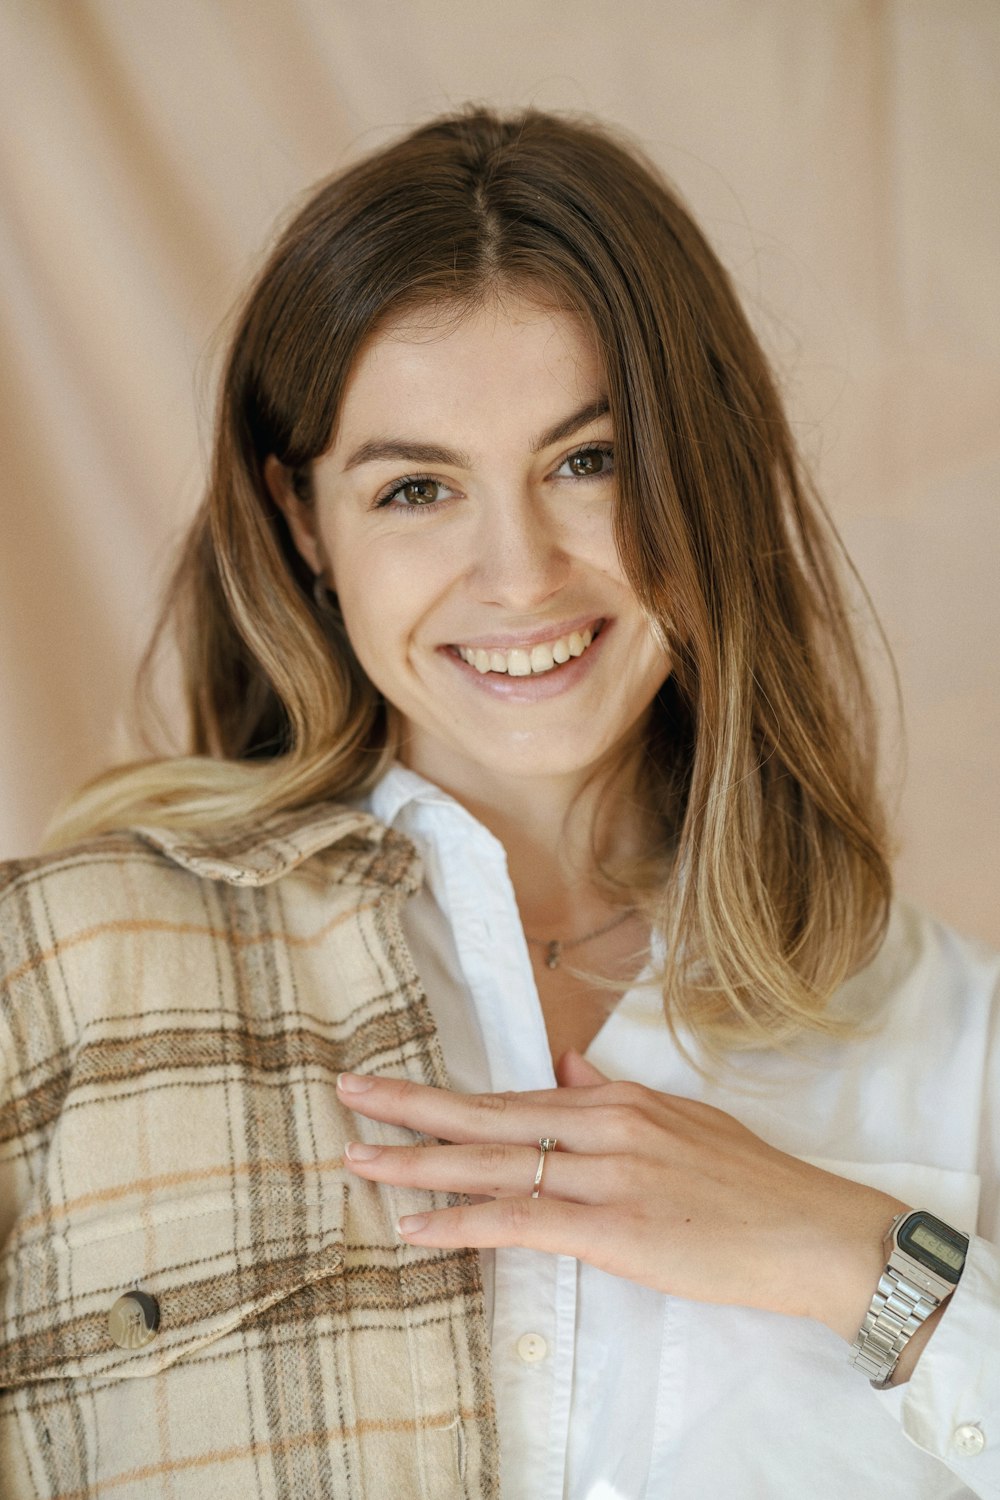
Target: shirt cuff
950 1407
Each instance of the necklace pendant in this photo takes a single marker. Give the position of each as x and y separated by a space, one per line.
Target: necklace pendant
553 954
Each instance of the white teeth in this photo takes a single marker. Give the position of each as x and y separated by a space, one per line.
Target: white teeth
523 662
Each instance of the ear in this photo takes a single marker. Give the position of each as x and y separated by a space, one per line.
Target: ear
300 515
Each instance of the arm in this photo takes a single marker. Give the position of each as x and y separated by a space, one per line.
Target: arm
679 1196
662 1190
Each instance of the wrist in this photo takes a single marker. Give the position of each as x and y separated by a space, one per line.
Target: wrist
925 1259
844 1297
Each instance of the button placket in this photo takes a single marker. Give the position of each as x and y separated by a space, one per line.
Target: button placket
531 1347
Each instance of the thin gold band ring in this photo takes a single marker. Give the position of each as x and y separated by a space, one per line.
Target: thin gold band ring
545 1145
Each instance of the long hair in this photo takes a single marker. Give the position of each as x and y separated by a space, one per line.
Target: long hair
768 845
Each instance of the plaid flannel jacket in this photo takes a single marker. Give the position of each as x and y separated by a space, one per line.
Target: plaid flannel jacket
173 1013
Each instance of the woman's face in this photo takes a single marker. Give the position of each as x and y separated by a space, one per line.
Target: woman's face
464 517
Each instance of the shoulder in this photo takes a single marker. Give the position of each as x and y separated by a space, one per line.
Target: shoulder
55 903
149 865
924 948
929 983
132 913
73 882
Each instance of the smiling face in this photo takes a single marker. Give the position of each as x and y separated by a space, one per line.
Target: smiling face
464 517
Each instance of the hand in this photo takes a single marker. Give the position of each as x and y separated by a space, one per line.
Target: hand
662 1190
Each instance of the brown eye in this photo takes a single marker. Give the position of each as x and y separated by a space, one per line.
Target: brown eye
419 492
586 463
414 493
589 463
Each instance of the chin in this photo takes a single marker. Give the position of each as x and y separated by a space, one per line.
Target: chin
532 761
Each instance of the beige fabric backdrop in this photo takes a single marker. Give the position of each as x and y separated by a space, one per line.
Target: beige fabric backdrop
842 154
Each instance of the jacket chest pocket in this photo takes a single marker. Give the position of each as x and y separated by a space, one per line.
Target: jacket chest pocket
206 1265
171 1350
295 1353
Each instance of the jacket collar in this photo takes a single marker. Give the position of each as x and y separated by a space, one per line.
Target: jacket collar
269 849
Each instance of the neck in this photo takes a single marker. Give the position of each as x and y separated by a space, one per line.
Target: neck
550 828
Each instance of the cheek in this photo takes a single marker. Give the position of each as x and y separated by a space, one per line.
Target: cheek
648 663
385 594
593 546
373 622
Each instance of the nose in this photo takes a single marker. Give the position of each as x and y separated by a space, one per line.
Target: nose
520 560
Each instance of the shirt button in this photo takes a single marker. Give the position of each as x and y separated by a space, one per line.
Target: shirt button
969 1439
531 1347
133 1320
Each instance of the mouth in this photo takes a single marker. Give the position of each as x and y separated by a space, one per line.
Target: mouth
534 660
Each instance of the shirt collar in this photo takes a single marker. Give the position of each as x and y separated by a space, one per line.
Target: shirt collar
400 787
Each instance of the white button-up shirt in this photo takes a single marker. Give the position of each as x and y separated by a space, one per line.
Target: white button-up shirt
607 1390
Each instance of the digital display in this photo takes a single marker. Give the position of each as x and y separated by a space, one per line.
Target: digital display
941 1249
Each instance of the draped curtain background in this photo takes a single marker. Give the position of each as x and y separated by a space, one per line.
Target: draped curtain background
841 154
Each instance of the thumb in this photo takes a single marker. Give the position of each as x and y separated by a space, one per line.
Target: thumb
574 1071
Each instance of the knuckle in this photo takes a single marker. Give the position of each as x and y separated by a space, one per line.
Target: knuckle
627 1092
493 1158
624 1124
493 1104
518 1211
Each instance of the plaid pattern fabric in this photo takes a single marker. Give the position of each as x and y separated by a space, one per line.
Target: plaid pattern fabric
173 1014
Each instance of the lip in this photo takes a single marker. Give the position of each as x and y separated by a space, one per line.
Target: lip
532 689
527 639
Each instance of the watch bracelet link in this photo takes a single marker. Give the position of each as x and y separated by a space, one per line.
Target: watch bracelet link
897 1310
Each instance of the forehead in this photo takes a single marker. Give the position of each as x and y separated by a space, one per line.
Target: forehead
509 357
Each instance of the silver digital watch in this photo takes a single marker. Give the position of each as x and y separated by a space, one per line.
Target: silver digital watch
925 1260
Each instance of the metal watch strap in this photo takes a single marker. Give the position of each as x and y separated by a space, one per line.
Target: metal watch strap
897 1310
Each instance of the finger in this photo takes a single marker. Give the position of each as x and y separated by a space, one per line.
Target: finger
513 1118
490 1170
574 1071
354 1085
530 1223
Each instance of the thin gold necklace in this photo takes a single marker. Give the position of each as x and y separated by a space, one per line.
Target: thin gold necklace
554 948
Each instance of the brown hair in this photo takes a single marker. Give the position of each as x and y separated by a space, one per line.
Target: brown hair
760 766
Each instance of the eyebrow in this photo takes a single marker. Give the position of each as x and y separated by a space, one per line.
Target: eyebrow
408 450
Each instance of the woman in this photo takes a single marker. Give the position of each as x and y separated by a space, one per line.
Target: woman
526 723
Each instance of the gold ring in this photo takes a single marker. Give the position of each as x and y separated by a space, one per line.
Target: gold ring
545 1145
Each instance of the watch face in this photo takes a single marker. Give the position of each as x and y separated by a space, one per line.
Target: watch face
935 1245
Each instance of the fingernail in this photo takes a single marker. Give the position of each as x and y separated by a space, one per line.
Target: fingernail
412 1223
361 1151
353 1083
